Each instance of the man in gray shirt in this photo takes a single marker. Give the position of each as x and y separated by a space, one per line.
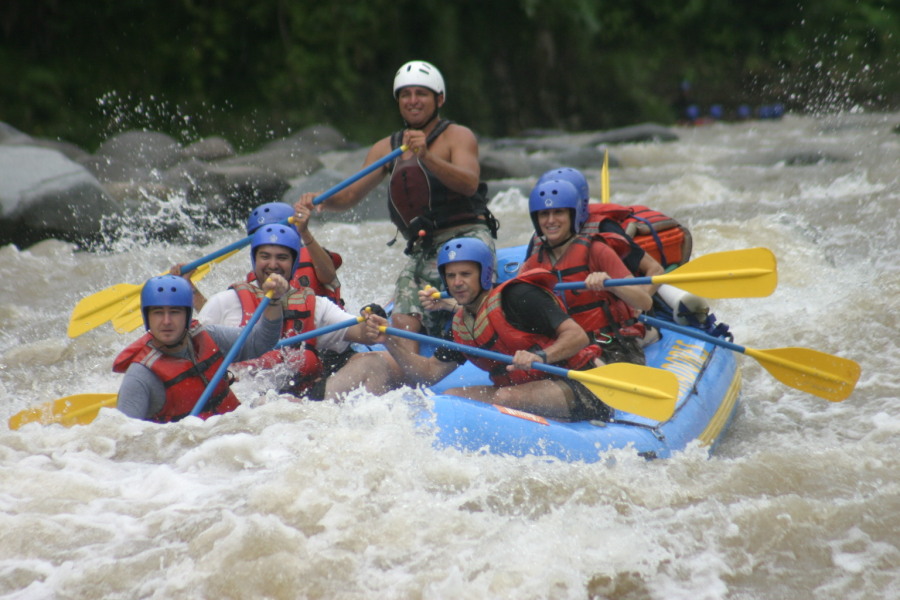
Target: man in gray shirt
169 367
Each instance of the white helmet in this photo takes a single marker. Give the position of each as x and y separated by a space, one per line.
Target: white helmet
421 73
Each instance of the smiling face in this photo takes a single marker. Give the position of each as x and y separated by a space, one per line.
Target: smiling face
418 105
463 281
272 258
555 224
167 324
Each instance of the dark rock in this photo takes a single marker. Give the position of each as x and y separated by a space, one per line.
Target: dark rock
209 149
284 162
149 149
505 165
44 194
647 132
109 169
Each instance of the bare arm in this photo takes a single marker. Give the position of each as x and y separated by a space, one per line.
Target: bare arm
453 157
351 195
635 296
570 339
426 371
649 267
321 260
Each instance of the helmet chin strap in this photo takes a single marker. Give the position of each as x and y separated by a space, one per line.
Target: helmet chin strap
427 123
562 243
178 343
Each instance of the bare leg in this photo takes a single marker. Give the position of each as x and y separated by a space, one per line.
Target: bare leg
378 372
548 398
409 323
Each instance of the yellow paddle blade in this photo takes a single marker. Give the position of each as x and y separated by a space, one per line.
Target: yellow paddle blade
636 389
96 309
604 179
130 317
824 375
749 273
120 299
79 409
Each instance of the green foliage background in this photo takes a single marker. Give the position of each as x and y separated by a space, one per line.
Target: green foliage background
251 71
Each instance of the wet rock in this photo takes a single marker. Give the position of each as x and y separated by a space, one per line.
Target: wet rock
209 149
149 149
647 132
44 194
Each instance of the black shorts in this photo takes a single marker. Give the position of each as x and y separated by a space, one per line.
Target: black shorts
586 406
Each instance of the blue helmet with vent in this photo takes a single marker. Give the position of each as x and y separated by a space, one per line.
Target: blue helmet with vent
277 235
468 249
557 193
268 214
166 290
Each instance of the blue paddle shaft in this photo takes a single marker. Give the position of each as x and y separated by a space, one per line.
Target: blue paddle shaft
504 358
579 285
354 178
691 331
317 332
229 358
318 200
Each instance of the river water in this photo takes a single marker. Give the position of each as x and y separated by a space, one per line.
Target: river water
293 500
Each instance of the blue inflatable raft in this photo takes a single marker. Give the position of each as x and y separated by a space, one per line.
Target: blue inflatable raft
709 389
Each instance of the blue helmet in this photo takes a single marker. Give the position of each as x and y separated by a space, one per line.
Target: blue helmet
166 290
557 193
573 176
268 214
468 249
278 235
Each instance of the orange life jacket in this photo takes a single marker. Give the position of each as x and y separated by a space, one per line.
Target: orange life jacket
492 331
184 380
600 313
305 276
661 236
299 317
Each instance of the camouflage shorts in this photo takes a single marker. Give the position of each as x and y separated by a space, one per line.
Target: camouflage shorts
421 270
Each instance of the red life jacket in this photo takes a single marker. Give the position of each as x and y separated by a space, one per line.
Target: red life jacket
661 236
184 380
299 317
492 331
600 313
305 276
419 201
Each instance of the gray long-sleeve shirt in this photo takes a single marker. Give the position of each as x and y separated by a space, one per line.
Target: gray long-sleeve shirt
142 394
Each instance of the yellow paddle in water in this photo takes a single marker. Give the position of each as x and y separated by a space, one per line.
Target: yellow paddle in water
635 389
823 375
79 409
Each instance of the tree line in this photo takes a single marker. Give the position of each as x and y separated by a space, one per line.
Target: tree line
251 71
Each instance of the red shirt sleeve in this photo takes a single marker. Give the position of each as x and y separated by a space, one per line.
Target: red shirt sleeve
604 258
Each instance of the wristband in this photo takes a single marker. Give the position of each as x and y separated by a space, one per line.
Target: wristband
541 354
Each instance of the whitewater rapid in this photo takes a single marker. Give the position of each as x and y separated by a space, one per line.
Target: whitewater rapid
285 499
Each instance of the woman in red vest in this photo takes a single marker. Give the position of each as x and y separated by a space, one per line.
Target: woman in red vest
558 212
